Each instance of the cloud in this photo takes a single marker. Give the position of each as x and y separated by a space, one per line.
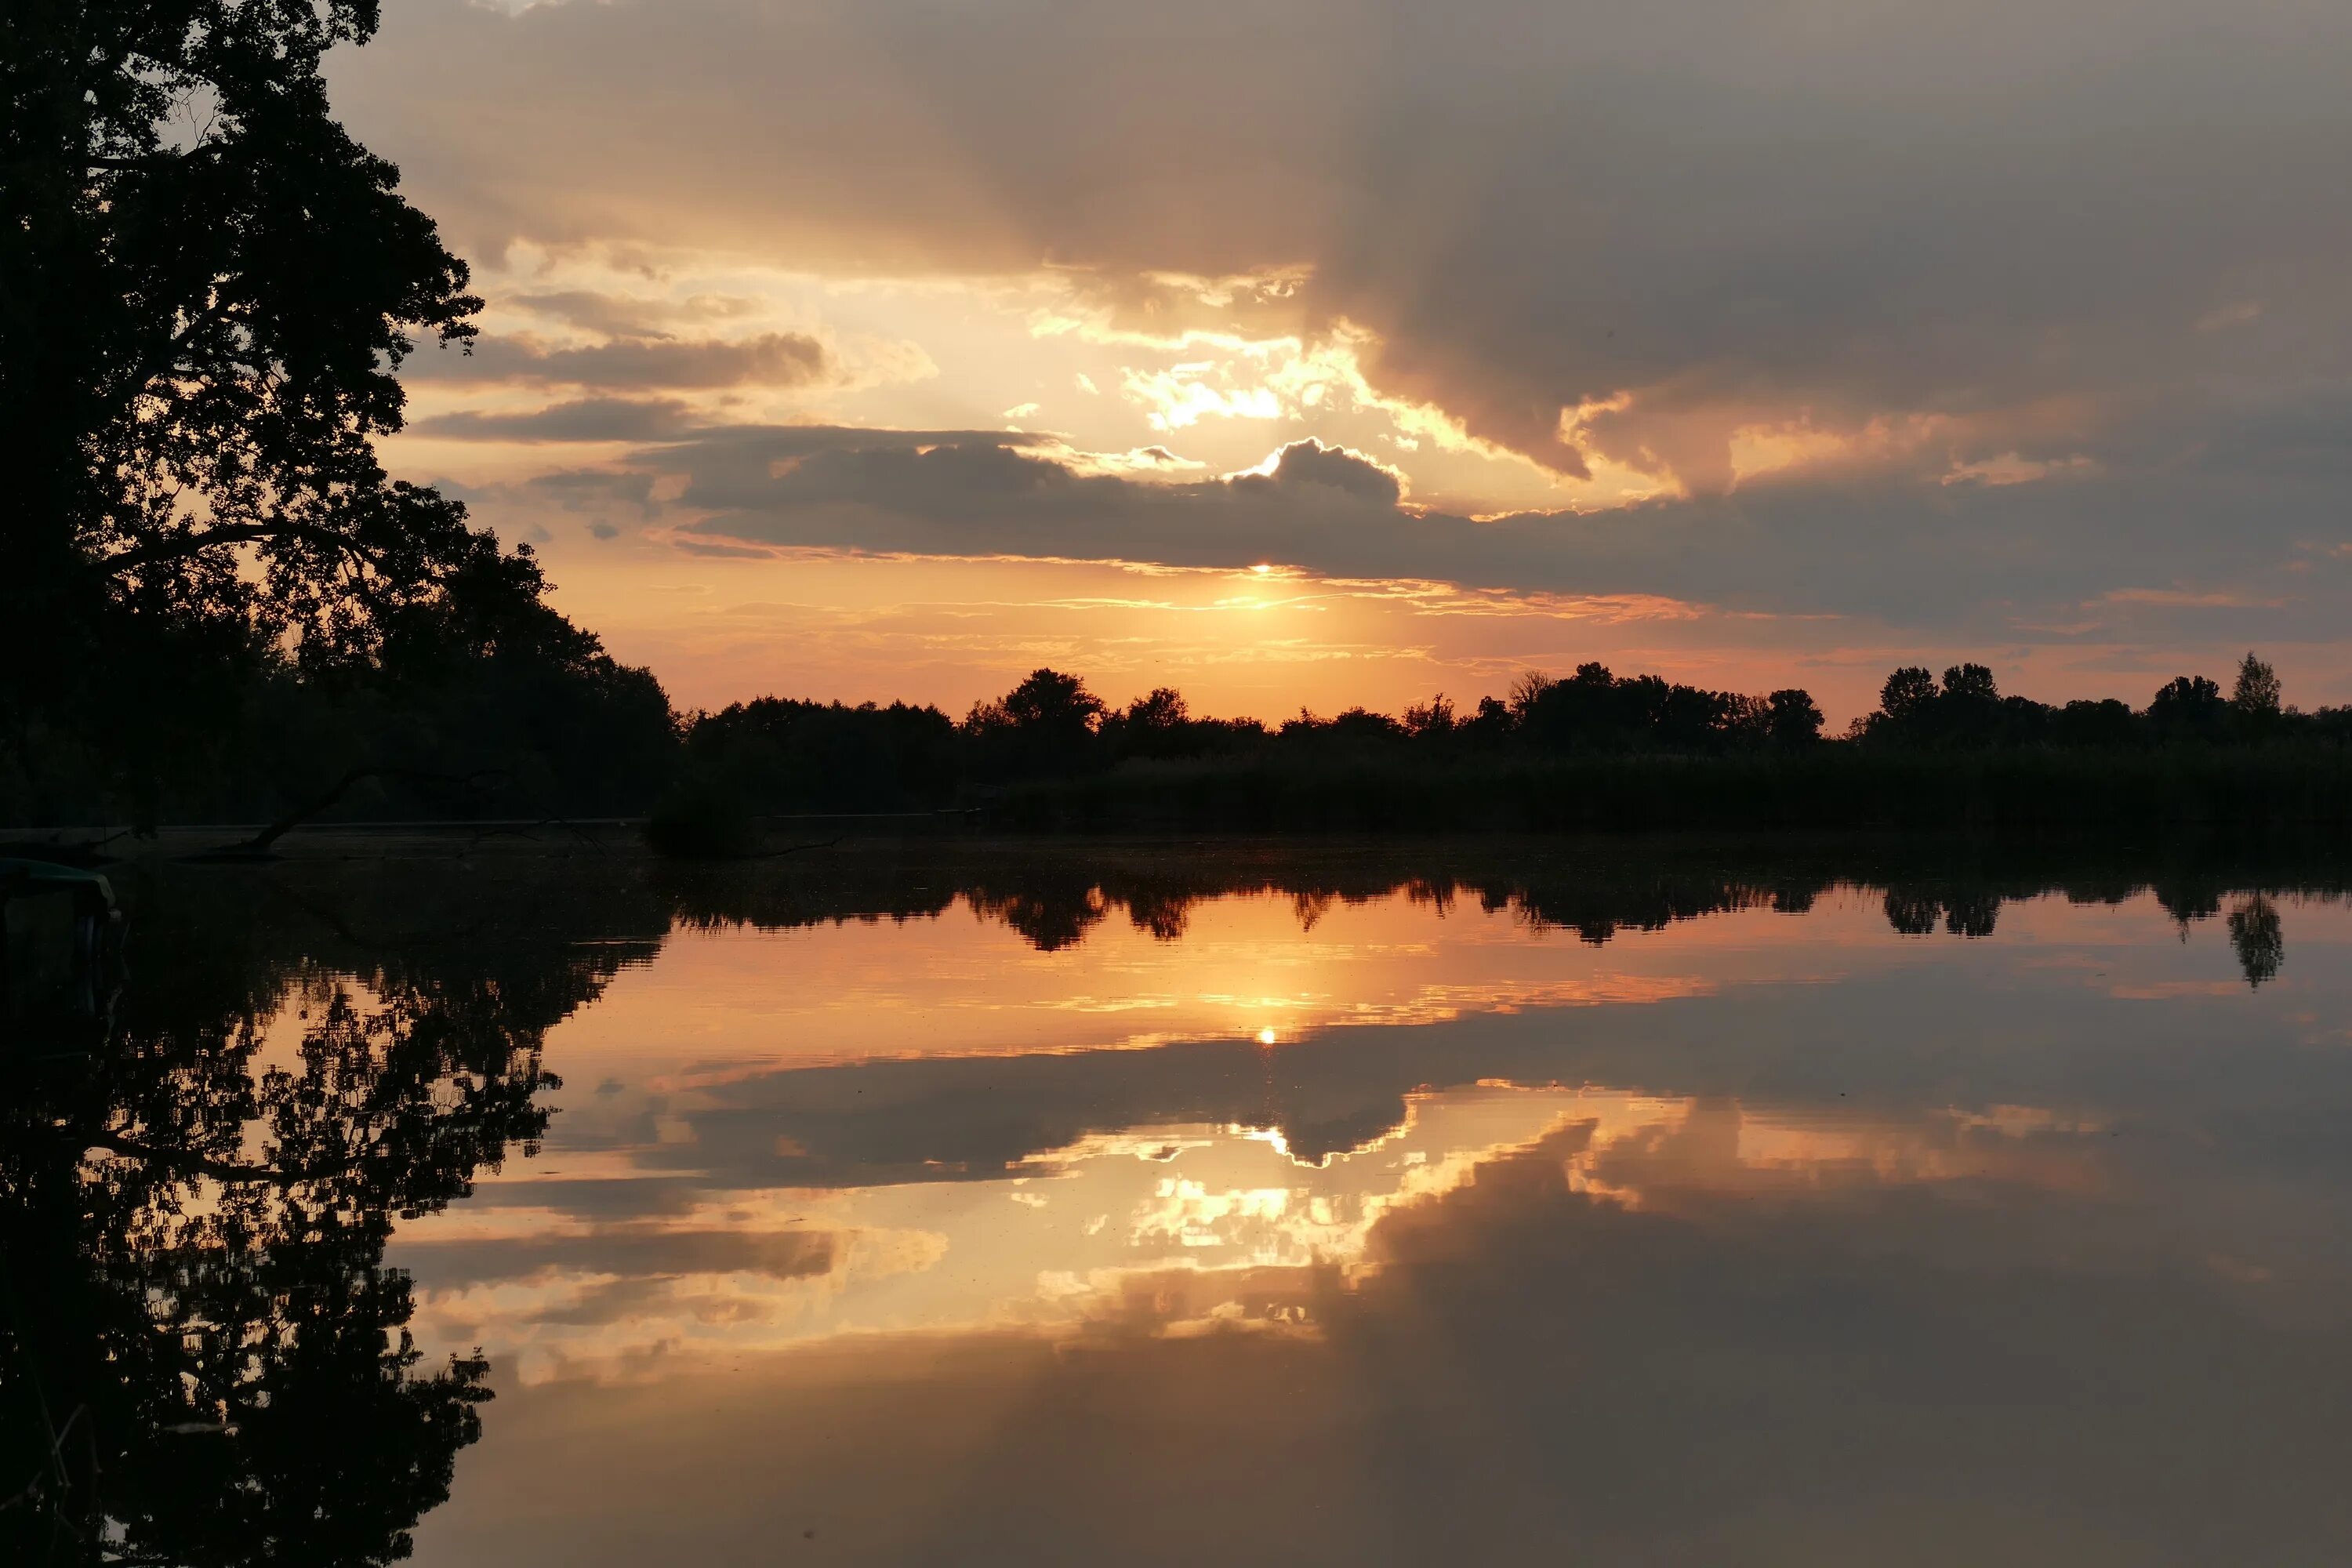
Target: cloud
1352 473
626 315
627 1248
976 495
1852 213
637 363
585 419
2017 559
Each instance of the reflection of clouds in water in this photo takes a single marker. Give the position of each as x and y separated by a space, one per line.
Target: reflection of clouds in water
959 1189
1171 1229
1885 1227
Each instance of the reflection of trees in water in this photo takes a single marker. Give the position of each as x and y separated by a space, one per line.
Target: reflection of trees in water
2254 932
1911 914
1057 896
1057 899
1962 911
203 1358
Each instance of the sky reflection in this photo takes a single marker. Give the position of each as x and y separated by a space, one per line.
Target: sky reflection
1762 1236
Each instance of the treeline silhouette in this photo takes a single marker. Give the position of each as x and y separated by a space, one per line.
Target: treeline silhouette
1592 750
485 702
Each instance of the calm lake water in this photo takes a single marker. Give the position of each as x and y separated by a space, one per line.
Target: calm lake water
936 1206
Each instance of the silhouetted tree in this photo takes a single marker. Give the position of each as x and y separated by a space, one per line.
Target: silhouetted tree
1527 690
1906 692
2107 723
206 289
1157 724
1792 718
1160 708
2256 694
1433 721
1044 724
2188 707
1970 683
1491 724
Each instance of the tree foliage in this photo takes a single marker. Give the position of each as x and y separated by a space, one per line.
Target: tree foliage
208 289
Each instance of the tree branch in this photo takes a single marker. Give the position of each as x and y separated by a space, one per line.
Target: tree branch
258 844
181 546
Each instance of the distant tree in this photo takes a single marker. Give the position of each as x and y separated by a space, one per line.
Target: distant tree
1049 701
1157 724
1433 720
2086 724
1906 692
1046 724
1792 718
1162 708
1527 690
1970 683
2256 695
2188 705
1491 723
1363 724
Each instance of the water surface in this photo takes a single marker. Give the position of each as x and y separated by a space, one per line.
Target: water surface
936 1206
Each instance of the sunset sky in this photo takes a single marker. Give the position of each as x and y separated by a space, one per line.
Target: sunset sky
1310 352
